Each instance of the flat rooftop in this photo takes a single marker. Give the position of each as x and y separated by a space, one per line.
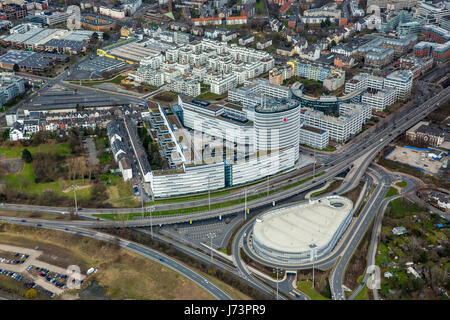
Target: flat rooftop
53 100
292 229
312 129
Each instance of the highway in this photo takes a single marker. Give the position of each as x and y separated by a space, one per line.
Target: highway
370 209
357 155
324 263
376 230
364 148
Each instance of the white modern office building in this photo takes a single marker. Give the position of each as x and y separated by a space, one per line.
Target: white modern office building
262 165
302 233
401 81
429 13
185 86
277 124
340 128
10 87
364 81
220 121
379 100
192 179
255 91
313 137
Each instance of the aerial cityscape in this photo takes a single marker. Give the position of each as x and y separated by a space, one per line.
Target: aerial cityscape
224 150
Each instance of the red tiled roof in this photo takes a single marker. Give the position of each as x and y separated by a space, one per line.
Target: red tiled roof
235 18
206 19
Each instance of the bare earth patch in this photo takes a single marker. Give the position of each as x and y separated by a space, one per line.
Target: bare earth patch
78 188
10 166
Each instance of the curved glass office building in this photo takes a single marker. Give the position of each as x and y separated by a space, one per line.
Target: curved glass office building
277 124
327 104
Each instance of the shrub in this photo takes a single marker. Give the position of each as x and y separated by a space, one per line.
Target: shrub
26 156
31 294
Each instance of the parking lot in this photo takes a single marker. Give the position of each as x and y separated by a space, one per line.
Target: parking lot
200 231
22 265
89 148
415 158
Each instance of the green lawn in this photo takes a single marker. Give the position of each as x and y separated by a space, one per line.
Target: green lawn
211 96
104 157
119 192
25 179
383 254
401 207
401 184
192 198
327 149
16 152
333 186
89 83
391 192
260 8
305 287
363 294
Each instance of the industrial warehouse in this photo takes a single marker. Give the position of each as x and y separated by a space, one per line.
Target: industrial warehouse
303 232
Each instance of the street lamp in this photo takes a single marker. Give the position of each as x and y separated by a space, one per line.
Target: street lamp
245 206
74 188
211 236
142 201
209 194
313 251
314 166
277 271
151 215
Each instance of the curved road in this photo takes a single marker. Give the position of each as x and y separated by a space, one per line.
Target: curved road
138 248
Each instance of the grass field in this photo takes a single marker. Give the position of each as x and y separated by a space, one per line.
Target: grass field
16 152
327 149
333 186
363 294
401 184
25 180
391 192
260 7
89 83
211 96
305 287
36 215
192 198
401 207
122 273
119 192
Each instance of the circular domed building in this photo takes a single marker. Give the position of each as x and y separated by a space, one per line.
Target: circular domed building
295 234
